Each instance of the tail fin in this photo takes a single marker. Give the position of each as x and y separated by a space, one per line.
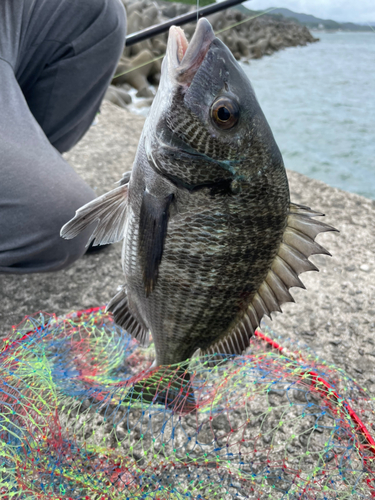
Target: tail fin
169 386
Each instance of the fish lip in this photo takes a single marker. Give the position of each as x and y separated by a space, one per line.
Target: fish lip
192 53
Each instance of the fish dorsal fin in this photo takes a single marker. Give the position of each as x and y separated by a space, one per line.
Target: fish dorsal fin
124 317
108 210
291 260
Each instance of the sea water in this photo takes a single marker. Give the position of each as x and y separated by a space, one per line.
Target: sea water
320 103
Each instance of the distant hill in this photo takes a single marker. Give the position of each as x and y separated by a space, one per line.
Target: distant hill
313 22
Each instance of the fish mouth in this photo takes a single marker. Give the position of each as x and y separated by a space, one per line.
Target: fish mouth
187 57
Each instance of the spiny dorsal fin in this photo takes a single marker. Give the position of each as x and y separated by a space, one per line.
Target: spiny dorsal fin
119 307
110 212
292 259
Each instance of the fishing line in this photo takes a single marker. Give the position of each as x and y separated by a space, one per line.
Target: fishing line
245 20
216 33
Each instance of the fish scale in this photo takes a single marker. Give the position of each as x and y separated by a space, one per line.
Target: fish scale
230 236
212 242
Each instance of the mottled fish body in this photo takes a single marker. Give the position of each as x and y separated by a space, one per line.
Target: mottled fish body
211 239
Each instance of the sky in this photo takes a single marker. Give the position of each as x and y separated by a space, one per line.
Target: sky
356 11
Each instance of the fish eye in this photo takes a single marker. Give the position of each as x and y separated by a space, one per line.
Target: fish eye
225 113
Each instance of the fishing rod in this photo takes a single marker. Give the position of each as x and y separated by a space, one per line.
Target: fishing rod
139 36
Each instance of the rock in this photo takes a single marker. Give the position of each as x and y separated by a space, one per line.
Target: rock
159 46
138 77
243 47
134 22
276 42
145 92
134 7
365 268
139 20
146 102
170 10
118 96
125 86
255 38
259 49
137 48
124 94
149 15
174 10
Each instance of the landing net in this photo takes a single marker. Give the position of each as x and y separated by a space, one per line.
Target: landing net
275 423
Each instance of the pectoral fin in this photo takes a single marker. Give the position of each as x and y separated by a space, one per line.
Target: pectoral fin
152 233
110 212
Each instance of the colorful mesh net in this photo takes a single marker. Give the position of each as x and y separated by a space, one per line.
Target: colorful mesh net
268 425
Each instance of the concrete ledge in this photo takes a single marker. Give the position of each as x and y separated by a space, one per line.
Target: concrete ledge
335 316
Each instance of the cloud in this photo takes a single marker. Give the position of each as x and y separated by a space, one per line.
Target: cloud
356 11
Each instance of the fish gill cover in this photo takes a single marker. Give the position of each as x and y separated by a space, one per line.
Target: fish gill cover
273 423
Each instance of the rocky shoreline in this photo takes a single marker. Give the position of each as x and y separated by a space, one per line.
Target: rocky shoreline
262 35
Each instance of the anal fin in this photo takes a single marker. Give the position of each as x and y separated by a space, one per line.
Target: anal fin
233 344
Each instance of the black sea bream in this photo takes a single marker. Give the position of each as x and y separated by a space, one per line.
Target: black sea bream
211 240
